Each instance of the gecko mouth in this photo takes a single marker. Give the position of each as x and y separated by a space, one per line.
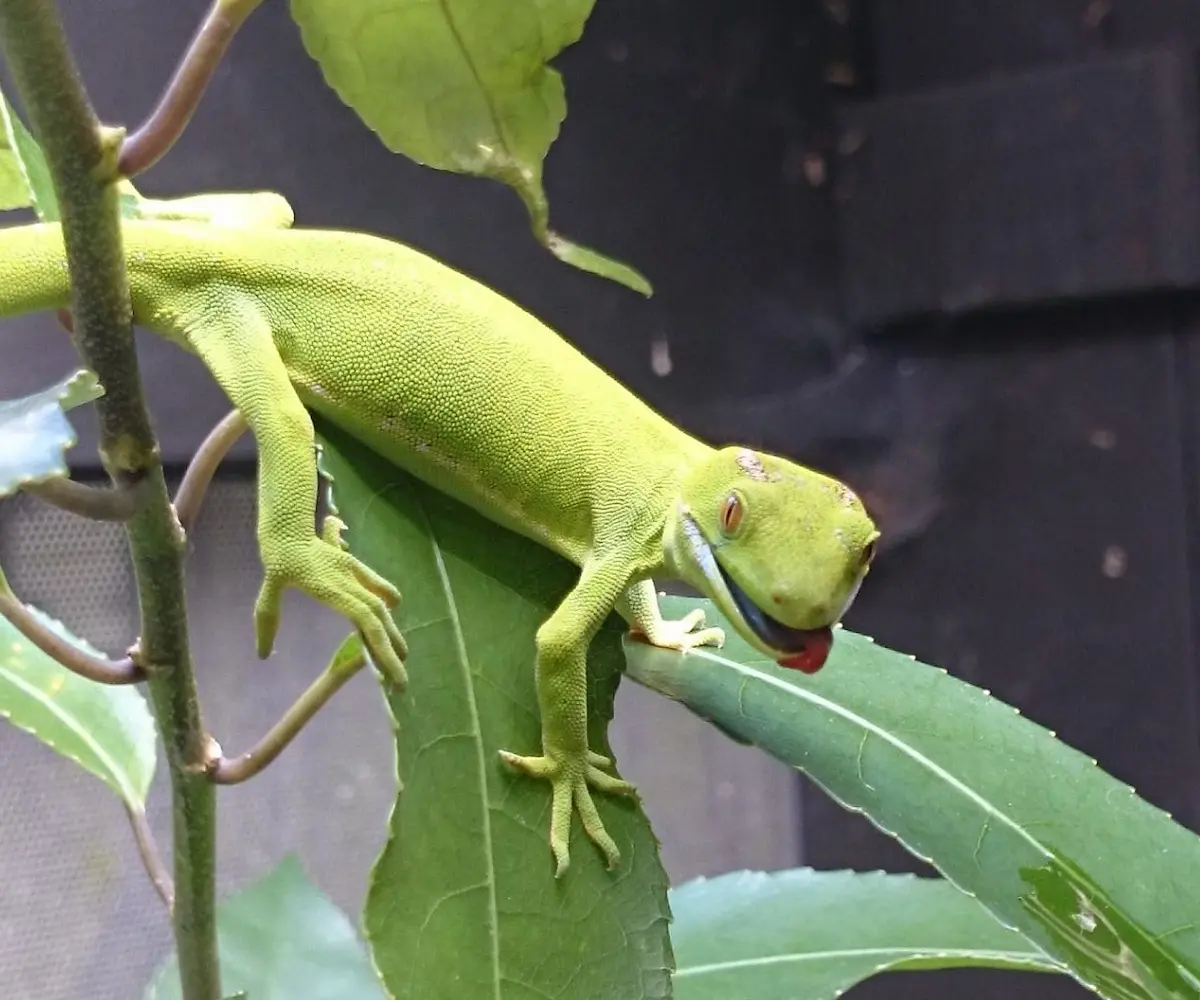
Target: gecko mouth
801 649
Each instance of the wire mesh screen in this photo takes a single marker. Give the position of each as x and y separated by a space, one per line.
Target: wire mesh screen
78 918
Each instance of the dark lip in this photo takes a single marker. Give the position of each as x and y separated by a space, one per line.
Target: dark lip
779 637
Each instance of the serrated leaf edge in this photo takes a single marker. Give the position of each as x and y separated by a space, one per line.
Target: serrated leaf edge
128 794
1033 958
871 728
56 625
750 672
77 389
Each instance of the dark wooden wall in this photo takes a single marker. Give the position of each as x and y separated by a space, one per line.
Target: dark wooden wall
945 247
1023 234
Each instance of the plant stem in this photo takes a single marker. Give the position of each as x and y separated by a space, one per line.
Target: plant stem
233 771
204 464
143 836
87 501
94 668
181 98
82 160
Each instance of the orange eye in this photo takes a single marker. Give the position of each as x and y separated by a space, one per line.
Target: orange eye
731 514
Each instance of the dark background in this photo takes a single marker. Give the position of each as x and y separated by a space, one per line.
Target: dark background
945 248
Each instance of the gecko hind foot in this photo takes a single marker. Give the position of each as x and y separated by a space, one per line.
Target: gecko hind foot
571 779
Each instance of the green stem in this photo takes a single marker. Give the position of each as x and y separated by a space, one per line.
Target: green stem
235 770
82 158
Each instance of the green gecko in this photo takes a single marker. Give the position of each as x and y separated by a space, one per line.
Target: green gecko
459 386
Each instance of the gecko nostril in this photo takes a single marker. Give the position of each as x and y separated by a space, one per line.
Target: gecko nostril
776 598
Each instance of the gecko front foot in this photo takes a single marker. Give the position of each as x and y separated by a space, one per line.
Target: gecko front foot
572 776
683 633
321 568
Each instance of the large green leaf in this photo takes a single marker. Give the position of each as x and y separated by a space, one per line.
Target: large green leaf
460 85
802 933
106 730
283 939
35 432
1052 845
463 900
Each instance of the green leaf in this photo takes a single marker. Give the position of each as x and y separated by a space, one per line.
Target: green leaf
283 939
13 192
35 432
813 934
460 85
25 176
106 730
1052 845
463 900
595 262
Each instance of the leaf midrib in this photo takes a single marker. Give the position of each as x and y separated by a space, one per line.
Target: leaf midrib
934 768
463 658
485 92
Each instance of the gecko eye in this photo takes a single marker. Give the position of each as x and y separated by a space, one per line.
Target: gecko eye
731 515
868 553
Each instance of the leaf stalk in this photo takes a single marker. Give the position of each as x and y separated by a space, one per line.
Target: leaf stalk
226 771
88 501
179 101
78 661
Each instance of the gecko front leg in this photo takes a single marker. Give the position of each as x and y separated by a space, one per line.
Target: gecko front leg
227 329
566 761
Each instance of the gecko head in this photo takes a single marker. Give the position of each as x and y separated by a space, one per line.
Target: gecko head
781 549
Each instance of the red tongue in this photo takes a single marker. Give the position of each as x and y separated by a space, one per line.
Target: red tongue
816 651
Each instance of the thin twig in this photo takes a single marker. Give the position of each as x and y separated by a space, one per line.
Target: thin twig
82 159
88 501
78 661
181 98
143 836
203 467
233 771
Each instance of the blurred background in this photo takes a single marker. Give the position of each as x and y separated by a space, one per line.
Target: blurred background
947 249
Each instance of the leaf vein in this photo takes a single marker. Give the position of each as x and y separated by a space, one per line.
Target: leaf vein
460 644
